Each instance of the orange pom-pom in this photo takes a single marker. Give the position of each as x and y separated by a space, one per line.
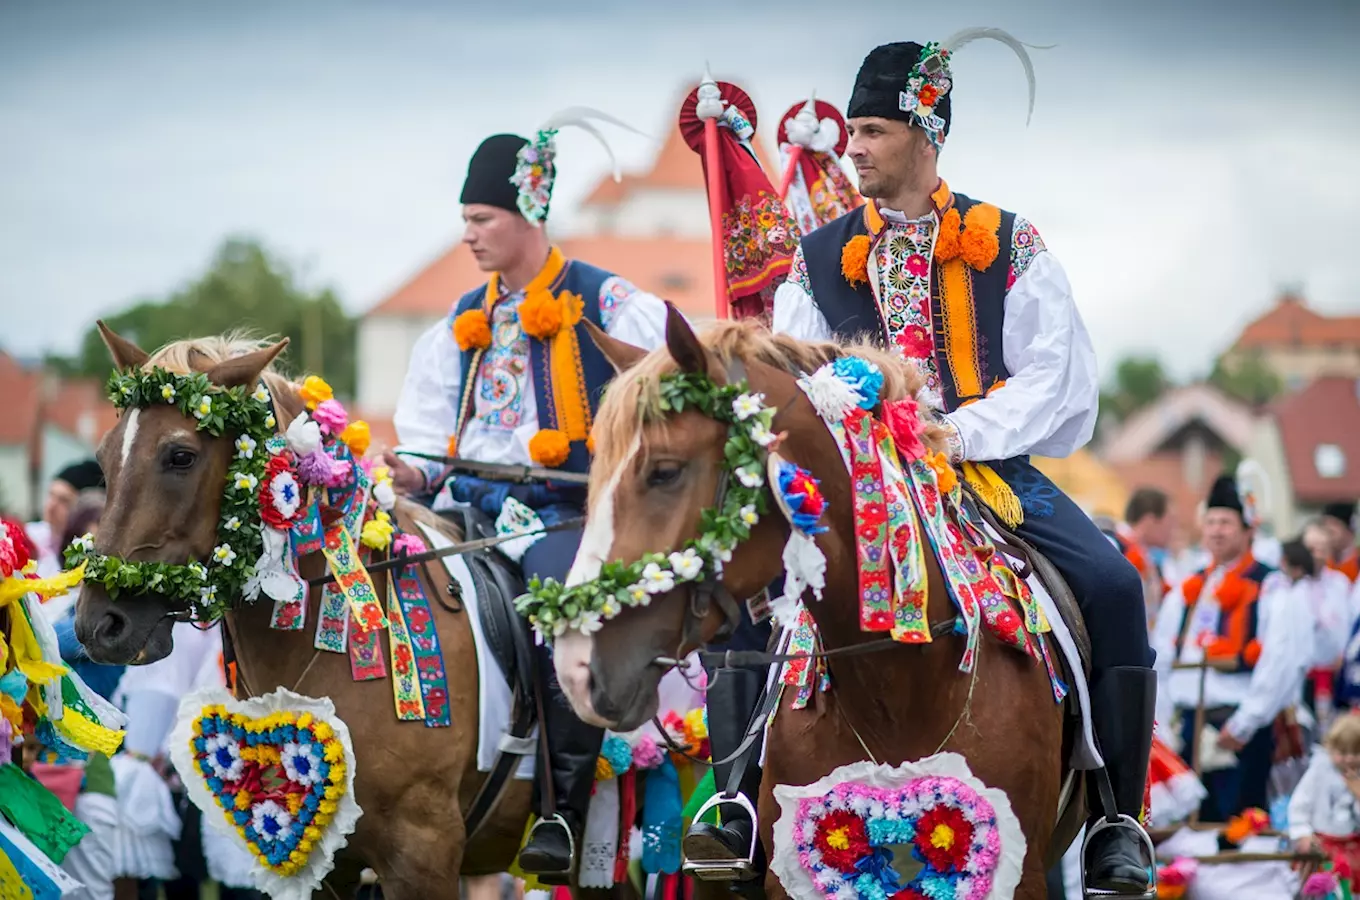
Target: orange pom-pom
452 449
357 436
855 260
549 447
472 331
944 472
978 247
540 315
947 244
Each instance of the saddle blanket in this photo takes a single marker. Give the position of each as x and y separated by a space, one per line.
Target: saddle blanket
1085 755
494 699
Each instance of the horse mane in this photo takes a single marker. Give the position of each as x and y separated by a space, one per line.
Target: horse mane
634 397
190 355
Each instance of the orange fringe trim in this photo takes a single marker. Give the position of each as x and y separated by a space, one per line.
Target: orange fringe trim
855 260
472 330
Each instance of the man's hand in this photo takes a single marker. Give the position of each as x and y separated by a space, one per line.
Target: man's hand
406 478
1226 741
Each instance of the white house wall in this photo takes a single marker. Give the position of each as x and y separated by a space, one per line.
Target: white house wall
15 491
385 344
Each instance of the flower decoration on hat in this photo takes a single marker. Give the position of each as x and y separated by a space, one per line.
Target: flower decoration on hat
928 83
536 162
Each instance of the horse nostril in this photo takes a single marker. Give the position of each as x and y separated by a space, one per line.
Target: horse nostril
111 627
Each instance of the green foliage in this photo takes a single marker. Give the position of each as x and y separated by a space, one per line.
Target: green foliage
1138 382
1247 377
244 289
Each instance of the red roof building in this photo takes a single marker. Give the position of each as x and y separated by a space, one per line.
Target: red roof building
1299 343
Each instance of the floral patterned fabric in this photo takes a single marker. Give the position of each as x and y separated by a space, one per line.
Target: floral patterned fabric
903 259
760 237
503 377
1025 245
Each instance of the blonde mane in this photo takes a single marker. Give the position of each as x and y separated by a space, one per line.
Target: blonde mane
634 398
191 355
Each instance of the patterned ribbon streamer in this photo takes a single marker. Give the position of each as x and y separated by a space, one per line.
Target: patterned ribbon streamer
429 659
353 578
405 687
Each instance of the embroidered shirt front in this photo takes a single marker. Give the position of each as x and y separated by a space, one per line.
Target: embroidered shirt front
504 399
903 260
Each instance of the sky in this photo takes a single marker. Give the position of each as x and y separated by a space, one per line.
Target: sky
1185 160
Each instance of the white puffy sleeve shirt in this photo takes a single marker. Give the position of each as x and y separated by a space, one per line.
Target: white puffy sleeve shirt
1273 684
427 409
1047 406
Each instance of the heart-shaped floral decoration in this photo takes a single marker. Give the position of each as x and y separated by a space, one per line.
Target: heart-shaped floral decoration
920 831
279 770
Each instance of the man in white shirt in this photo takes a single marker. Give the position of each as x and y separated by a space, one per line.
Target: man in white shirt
61 495
1237 616
971 294
513 377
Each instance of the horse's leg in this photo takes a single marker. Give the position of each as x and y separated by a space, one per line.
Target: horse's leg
422 856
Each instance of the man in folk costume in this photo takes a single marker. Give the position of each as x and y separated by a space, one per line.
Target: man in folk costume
1146 529
970 293
1237 617
513 377
1339 520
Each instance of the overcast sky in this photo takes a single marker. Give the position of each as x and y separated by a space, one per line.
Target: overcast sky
1182 162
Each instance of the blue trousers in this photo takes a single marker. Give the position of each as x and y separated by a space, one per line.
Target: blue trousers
1106 585
1230 791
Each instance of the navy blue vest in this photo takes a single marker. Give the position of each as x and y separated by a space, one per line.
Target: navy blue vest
852 312
593 370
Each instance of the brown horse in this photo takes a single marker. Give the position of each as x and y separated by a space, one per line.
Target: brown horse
165 485
653 474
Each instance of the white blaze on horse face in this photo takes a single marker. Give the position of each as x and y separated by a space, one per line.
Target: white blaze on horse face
571 660
598 538
129 433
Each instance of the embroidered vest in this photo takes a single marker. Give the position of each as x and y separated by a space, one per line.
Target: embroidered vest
568 371
967 306
1238 615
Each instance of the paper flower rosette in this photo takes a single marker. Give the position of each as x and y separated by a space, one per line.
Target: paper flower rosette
953 836
277 772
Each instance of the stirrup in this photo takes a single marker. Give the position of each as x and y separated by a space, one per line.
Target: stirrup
1122 822
739 869
556 819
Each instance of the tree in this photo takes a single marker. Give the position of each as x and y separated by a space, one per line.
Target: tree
1138 382
1247 377
245 289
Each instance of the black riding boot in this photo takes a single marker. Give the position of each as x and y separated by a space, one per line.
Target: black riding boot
574 747
732 700
1117 860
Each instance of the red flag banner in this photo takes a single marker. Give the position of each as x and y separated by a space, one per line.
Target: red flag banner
758 235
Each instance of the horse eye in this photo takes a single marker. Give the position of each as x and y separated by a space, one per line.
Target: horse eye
664 473
180 458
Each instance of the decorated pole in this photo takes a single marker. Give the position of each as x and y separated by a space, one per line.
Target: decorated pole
796 150
815 190
709 109
754 238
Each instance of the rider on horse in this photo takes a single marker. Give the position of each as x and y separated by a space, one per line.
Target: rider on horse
970 293
511 376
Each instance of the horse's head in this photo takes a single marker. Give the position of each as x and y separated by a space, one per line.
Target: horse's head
166 477
660 480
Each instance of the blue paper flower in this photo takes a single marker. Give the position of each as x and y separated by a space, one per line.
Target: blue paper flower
802 494
617 753
862 375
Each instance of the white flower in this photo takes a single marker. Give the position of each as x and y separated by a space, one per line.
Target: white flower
304 435
84 543
749 515
610 608
560 627
750 477
198 570
233 524
271 821
168 393
223 756
270 421
589 622
245 447
688 565
762 435
657 579
204 407
301 763
261 394
831 397
246 481
384 494
637 594
285 494
224 555
747 405
208 596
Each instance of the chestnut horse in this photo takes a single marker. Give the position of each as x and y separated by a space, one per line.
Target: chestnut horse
165 485
653 474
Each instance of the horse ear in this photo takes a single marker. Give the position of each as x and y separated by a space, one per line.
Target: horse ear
243 370
126 355
621 354
683 343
